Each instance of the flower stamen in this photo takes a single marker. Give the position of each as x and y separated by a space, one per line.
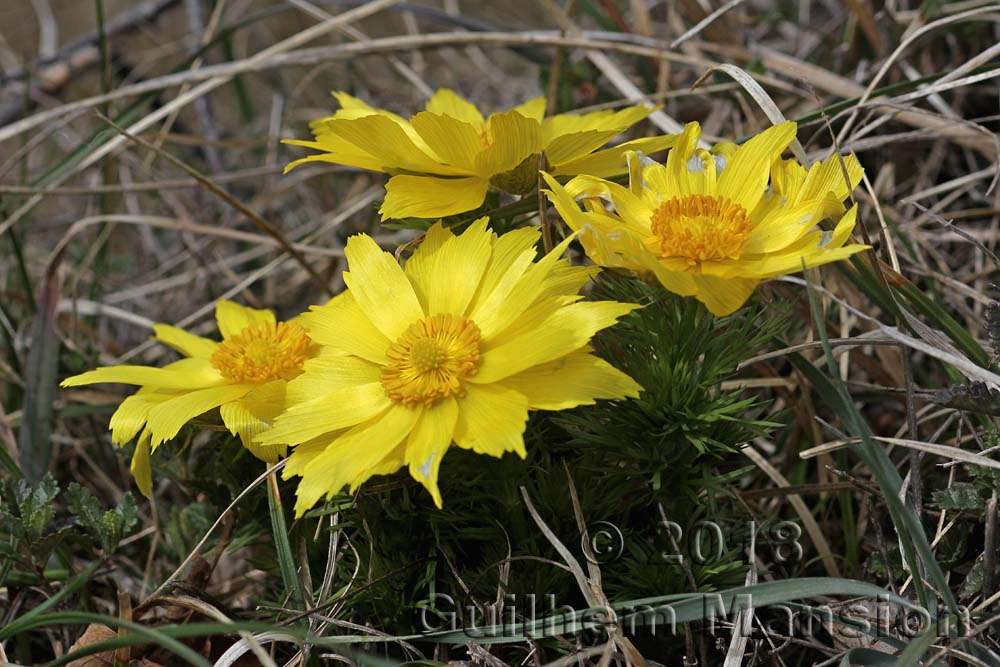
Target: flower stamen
699 228
430 359
263 353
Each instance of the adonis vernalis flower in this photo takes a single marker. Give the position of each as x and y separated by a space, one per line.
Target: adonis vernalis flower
714 224
444 159
244 376
456 347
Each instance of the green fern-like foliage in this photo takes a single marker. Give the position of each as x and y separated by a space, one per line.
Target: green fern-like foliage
672 453
677 443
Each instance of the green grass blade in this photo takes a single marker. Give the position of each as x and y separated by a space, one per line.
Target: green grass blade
911 655
41 369
867 657
916 548
141 632
30 617
286 559
677 608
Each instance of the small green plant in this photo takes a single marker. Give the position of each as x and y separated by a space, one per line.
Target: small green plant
37 525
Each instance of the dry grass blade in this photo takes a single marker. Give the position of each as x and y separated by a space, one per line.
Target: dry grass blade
762 99
218 522
181 101
571 562
845 88
217 87
873 84
705 22
868 338
209 611
632 655
943 451
935 345
41 370
801 509
252 215
242 647
358 35
217 75
188 227
614 73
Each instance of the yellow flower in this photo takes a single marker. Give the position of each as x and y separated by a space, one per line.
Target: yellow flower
443 160
457 347
244 376
707 224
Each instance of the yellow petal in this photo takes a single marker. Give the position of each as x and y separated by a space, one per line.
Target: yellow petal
385 140
458 269
491 420
302 456
342 326
253 414
513 295
723 296
780 265
141 467
565 279
130 417
409 196
633 211
379 286
566 330
328 371
829 176
784 264
167 418
350 458
428 442
448 103
513 253
389 464
746 174
727 149
571 146
336 151
164 378
677 179
419 268
787 177
784 226
617 121
673 280
234 318
570 212
814 249
611 161
843 229
512 138
454 141
534 109
353 107
609 246
699 176
338 409
184 342
578 378
340 144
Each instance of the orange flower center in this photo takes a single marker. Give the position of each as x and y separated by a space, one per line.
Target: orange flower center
700 227
263 353
430 360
